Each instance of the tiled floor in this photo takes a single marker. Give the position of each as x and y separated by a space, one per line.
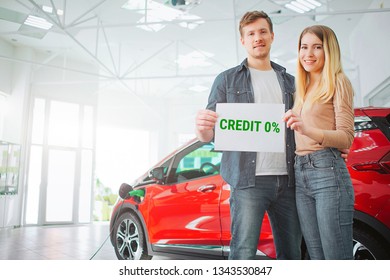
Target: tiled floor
81 242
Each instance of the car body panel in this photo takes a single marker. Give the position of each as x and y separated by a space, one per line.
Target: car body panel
372 189
181 213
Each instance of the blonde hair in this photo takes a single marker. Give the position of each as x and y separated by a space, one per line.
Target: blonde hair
333 80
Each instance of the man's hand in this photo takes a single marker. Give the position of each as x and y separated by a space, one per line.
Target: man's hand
344 154
204 124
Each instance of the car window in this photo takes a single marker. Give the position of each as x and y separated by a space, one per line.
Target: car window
166 165
364 123
195 163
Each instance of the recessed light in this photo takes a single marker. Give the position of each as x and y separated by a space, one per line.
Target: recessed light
47 9
38 22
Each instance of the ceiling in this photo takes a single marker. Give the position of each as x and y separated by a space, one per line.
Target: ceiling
115 48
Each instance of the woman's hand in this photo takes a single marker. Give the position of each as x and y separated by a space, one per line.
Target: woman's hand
294 121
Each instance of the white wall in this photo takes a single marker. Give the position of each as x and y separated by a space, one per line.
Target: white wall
6 67
371 54
13 126
17 102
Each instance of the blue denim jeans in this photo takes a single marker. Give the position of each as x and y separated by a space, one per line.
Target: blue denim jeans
325 199
248 206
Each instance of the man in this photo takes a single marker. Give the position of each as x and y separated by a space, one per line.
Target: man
260 181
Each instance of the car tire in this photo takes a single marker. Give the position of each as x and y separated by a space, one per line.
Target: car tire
130 241
368 245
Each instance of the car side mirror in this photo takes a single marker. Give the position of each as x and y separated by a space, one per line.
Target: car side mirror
157 174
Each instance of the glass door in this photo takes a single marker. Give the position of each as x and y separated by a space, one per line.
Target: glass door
60 186
60 177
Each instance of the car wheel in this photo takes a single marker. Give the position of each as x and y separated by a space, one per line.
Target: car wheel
129 238
368 246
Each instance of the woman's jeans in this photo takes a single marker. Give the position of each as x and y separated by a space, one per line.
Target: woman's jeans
325 203
248 206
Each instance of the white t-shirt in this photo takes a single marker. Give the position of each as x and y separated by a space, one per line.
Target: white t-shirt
266 89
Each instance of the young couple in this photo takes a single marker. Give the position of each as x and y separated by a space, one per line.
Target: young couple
306 190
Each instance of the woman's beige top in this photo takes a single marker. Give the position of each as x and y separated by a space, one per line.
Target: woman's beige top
335 118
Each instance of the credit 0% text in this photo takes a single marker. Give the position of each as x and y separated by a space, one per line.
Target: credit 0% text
246 125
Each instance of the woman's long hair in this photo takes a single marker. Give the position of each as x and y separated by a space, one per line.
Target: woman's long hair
333 79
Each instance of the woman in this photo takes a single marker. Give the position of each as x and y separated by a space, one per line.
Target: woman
322 119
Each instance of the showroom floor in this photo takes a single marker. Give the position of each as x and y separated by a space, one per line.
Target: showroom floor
56 243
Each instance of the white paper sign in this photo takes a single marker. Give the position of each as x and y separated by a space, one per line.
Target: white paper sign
250 127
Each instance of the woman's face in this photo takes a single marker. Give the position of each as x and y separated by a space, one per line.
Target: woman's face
311 54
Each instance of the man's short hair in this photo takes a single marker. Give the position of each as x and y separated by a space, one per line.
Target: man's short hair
252 16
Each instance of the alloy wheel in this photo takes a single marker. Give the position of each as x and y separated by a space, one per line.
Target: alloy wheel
128 240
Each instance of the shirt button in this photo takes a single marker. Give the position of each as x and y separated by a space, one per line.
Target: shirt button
253 161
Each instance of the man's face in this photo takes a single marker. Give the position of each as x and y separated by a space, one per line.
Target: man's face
257 39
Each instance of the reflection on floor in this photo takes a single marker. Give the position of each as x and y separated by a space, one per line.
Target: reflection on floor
81 242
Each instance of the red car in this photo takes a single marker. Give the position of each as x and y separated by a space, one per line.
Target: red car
181 207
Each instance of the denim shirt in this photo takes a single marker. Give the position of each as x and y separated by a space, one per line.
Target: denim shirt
234 85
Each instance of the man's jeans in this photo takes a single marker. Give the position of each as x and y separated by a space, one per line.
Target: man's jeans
325 199
247 208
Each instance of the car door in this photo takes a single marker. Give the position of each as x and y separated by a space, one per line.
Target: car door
184 213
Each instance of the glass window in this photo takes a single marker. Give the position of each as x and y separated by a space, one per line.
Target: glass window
64 124
187 163
195 162
85 187
87 130
205 159
13 169
122 155
38 121
9 167
3 166
34 183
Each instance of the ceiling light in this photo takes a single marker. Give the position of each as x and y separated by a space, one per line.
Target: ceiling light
294 8
38 22
150 27
314 2
134 5
195 58
190 21
47 9
155 13
191 25
302 6
307 4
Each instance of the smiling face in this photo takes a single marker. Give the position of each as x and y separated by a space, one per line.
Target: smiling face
311 53
257 39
